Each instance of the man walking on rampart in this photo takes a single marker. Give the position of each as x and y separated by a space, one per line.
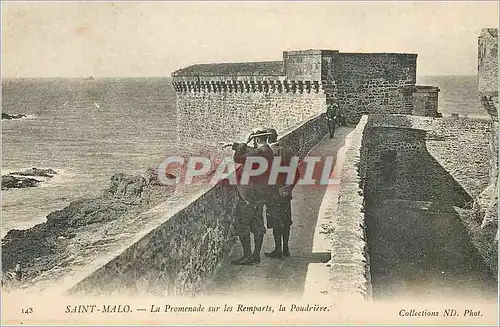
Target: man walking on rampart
252 195
331 118
279 204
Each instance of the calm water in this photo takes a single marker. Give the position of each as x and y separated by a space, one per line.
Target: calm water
458 94
130 129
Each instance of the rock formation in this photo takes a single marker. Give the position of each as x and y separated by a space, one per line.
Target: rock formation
67 231
24 179
9 182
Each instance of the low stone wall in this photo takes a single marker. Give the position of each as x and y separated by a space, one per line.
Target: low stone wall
461 146
417 168
350 268
178 255
408 160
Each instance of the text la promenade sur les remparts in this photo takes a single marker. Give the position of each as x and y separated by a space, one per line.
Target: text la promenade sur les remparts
200 308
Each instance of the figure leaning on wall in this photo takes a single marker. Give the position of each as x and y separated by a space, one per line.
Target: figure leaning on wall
279 205
252 196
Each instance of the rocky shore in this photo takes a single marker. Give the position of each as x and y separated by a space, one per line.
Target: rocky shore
23 179
9 117
79 227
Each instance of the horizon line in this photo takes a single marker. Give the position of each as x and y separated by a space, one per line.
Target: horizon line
162 76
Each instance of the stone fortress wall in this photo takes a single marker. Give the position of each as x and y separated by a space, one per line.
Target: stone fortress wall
401 151
224 102
487 201
488 61
427 158
419 159
410 162
461 147
185 238
375 83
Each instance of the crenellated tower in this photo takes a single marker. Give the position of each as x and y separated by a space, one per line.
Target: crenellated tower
225 101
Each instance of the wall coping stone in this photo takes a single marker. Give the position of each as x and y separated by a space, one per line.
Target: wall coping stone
349 264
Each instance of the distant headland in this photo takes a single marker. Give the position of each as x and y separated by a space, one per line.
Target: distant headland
7 116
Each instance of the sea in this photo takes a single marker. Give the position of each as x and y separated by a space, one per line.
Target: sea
87 130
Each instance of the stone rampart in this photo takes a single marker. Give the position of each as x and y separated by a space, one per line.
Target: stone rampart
374 83
487 203
186 237
231 116
428 166
488 61
220 102
350 265
400 161
461 146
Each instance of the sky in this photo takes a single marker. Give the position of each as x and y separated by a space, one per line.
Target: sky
132 39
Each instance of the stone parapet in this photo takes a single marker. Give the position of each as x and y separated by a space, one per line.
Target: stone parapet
184 238
350 265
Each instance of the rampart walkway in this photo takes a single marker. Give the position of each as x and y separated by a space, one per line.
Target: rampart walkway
287 276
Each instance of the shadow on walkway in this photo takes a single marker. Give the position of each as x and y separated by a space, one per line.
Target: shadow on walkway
427 256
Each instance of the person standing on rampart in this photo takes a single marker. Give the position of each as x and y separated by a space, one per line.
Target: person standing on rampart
252 195
331 118
279 204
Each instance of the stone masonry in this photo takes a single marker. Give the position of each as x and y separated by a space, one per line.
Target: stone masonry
425 101
488 60
487 201
374 83
488 70
462 147
224 102
185 238
406 168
